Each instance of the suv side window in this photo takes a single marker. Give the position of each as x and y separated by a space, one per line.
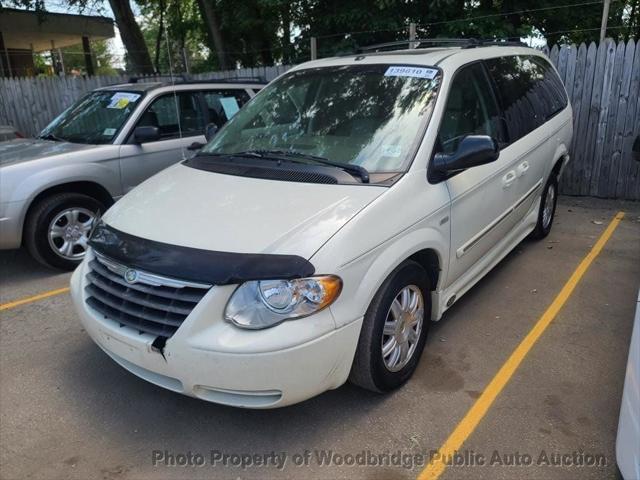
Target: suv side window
530 92
471 109
223 104
174 112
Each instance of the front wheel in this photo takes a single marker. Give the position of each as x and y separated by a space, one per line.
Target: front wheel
547 210
394 330
57 229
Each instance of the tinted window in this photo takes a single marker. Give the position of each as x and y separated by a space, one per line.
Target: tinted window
174 112
223 104
530 92
471 109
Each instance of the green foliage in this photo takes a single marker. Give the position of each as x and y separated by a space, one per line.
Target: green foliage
264 32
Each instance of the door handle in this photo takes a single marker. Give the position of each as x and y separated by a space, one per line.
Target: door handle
509 178
522 168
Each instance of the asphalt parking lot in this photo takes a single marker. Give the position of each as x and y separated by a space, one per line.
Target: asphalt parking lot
67 411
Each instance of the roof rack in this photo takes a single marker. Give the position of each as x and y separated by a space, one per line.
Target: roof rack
185 78
435 42
231 80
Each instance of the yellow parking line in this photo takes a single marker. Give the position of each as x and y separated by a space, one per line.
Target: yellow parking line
35 298
475 414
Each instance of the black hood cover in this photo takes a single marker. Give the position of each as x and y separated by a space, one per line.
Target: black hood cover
194 264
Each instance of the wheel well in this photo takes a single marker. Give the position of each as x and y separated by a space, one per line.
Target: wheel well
91 189
429 260
558 165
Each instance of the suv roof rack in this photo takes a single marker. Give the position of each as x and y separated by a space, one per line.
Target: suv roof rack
184 78
441 42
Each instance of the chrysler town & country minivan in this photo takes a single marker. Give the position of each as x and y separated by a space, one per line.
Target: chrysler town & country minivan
314 239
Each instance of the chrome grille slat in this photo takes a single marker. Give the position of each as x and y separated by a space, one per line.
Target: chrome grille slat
186 294
125 320
152 304
131 308
130 295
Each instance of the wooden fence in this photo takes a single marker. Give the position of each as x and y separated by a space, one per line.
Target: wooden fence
603 83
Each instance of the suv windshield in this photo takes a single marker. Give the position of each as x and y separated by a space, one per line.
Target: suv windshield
94 119
365 115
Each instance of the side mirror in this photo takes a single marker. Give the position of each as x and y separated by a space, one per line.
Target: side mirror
146 134
210 131
472 151
635 150
195 146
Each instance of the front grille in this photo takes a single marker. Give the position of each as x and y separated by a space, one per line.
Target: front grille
151 304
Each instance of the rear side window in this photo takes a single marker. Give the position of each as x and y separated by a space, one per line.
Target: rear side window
530 92
223 104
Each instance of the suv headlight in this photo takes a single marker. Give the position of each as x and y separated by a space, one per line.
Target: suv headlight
265 303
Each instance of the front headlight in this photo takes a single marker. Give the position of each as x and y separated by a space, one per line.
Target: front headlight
265 303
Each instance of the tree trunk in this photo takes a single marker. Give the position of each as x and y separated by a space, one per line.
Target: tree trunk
159 36
132 36
213 28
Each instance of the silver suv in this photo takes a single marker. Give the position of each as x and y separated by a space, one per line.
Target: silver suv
52 187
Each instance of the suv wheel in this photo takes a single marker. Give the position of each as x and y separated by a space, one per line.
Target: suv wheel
394 330
57 229
547 208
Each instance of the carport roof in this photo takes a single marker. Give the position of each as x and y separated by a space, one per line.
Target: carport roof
23 29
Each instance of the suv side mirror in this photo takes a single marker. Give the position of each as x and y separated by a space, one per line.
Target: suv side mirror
635 150
210 131
472 151
146 134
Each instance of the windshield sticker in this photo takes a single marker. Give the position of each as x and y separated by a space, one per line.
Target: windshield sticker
121 99
415 72
108 132
391 150
230 106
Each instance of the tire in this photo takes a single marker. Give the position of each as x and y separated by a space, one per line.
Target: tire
41 218
370 370
549 194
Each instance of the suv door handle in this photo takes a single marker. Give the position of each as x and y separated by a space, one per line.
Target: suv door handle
522 168
508 179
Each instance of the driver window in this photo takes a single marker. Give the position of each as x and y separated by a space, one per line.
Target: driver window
470 110
162 113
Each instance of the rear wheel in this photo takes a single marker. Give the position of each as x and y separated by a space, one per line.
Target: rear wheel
57 229
547 210
394 330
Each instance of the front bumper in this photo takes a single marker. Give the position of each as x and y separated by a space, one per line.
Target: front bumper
10 225
211 359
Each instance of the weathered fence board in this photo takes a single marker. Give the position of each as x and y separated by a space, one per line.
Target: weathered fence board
603 84
604 89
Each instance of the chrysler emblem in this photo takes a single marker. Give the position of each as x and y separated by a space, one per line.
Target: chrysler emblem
130 275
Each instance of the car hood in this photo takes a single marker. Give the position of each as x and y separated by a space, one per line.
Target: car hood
28 149
212 211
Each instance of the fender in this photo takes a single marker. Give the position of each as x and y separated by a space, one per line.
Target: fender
374 267
105 174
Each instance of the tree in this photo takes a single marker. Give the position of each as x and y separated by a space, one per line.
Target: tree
210 17
137 51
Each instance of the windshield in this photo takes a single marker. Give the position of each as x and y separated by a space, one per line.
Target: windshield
365 115
94 119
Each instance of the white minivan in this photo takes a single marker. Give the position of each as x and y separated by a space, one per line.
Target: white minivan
314 239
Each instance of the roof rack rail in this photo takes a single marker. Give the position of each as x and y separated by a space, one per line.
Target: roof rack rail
256 79
185 78
151 78
431 42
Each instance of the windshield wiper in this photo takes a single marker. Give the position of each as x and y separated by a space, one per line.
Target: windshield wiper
359 171
51 136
